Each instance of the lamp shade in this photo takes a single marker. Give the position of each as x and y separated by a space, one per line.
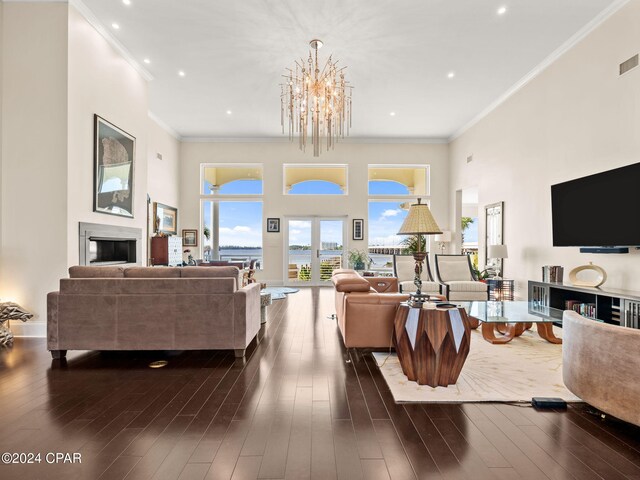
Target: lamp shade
419 221
497 251
444 237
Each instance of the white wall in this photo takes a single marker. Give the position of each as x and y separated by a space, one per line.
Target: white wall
576 118
57 71
102 82
163 177
276 204
34 156
1 93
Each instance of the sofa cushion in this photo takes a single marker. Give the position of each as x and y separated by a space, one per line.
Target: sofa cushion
81 271
467 286
350 282
202 272
152 272
338 271
213 272
427 287
147 286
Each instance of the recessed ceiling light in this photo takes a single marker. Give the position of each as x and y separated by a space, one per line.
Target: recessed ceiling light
393 114
126 2
147 61
229 112
502 10
181 73
451 74
115 26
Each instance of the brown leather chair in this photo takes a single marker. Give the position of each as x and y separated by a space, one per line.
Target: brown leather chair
365 316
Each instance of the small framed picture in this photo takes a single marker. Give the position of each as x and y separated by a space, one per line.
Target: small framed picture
165 219
358 229
273 225
189 238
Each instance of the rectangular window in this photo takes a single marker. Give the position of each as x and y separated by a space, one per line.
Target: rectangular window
385 219
238 179
315 179
392 180
232 230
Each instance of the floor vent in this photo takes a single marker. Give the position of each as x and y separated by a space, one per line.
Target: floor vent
629 64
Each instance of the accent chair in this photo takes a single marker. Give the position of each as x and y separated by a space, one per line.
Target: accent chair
404 270
458 280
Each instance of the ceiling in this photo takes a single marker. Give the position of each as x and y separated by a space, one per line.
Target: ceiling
399 56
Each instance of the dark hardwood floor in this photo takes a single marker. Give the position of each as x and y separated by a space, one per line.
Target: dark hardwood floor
295 409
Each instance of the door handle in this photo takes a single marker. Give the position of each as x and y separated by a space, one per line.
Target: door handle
318 253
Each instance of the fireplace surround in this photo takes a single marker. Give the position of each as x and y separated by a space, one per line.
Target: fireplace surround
109 245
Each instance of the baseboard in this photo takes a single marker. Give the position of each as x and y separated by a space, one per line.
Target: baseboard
28 329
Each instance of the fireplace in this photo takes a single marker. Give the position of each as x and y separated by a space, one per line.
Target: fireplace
109 245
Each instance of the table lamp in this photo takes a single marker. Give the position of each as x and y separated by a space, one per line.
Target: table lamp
444 237
419 222
497 251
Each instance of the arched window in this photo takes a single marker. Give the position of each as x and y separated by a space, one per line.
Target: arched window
315 187
315 179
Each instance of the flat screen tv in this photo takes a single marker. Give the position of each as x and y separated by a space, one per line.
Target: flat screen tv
601 210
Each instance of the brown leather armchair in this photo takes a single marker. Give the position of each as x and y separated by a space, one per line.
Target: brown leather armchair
365 316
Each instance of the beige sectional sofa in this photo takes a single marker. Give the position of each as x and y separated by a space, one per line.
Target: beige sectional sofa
152 308
600 364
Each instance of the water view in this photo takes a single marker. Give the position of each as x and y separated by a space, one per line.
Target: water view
302 257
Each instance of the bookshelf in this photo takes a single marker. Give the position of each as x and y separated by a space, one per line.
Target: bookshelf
616 307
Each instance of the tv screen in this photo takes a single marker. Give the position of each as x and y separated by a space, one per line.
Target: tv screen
601 210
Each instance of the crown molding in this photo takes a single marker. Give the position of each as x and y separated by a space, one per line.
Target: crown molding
356 140
100 28
164 126
602 17
113 41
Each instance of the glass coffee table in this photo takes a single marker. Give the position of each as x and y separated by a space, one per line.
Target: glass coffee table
511 319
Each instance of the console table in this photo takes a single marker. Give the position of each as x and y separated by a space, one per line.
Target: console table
432 344
617 307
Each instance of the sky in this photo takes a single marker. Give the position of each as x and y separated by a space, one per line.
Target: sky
241 222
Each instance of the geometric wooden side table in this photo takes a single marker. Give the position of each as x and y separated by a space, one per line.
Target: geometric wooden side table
432 344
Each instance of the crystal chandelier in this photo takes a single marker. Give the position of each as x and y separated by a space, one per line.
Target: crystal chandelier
316 100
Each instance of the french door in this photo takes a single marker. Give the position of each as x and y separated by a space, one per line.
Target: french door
315 246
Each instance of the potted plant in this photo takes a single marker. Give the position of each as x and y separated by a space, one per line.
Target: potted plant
410 244
359 259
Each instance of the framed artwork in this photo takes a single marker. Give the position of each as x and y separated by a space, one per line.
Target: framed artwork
165 219
114 153
273 225
358 229
189 238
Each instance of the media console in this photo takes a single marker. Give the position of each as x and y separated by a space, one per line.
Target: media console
617 307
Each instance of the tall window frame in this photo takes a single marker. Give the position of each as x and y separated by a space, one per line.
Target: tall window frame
382 260
215 199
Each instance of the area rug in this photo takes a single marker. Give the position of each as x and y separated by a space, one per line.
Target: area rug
526 367
278 293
